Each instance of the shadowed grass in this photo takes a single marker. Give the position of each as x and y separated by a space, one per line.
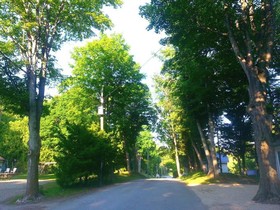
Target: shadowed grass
52 190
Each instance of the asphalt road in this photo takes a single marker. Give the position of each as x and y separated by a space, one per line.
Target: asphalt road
152 194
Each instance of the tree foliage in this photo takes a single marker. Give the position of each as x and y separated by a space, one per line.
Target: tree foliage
148 152
13 140
106 71
34 29
220 39
83 154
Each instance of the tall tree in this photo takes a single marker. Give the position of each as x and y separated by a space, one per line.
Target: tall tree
255 22
106 70
171 116
35 29
250 27
147 152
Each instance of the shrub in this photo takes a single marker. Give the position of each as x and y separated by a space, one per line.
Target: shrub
83 155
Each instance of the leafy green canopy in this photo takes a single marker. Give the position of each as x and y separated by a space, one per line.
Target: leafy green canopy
106 66
103 68
201 65
31 30
203 62
105 62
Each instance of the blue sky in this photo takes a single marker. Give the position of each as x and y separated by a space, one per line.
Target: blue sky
143 43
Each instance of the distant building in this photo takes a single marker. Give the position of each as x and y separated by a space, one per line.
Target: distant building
277 154
223 161
276 146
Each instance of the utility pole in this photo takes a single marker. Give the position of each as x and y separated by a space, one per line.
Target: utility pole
101 109
101 112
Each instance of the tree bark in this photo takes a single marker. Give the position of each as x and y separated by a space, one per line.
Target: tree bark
127 162
177 155
32 186
254 61
212 146
269 186
206 150
203 166
175 142
35 111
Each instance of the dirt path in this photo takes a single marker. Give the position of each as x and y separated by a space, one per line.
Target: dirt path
12 188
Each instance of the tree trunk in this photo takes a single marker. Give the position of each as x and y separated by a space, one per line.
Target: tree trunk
212 146
148 162
239 166
203 166
177 155
32 186
243 164
207 153
35 112
139 159
269 186
127 156
135 161
127 162
254 61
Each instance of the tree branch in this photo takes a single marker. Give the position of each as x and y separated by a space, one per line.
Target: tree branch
12 62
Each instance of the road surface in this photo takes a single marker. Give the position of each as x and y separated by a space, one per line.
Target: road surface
151 194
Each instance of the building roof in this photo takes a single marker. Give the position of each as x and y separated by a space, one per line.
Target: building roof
1 159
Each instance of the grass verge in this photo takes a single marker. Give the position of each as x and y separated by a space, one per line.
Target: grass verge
201 178
51 190
41 176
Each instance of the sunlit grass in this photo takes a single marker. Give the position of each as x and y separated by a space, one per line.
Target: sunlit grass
201 178
196 178
125 177
41 176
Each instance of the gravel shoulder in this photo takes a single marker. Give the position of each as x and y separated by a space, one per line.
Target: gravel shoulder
230 197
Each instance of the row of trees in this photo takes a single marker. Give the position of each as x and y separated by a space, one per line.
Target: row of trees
212 45
30 32
67 129
70 129
216 52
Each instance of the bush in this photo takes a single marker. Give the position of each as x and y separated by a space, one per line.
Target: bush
84 155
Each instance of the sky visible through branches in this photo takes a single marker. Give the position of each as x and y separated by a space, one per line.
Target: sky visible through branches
127 21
